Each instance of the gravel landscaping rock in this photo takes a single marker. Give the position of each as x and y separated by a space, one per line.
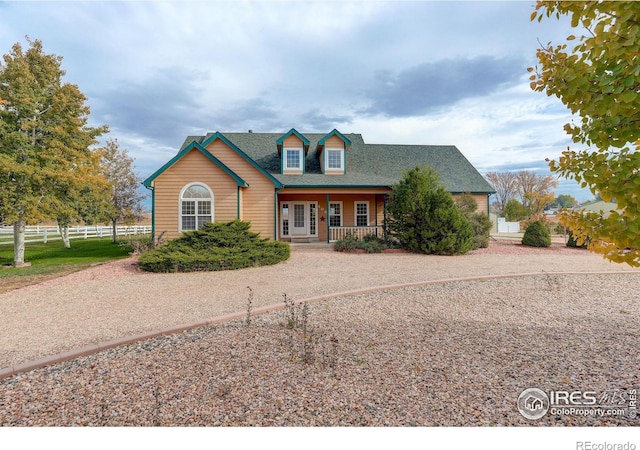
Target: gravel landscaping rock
452 353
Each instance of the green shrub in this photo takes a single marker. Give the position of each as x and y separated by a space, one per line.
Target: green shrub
348 244
215 246
369 243
536 235
571 242
423 217
481 223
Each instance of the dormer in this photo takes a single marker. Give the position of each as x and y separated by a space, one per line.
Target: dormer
292 148
332 151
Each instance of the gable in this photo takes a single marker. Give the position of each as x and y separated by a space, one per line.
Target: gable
194 146
220 147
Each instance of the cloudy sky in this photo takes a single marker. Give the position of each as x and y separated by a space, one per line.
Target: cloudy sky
404 72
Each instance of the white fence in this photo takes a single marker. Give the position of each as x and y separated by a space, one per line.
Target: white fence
339 233
39 233
508 227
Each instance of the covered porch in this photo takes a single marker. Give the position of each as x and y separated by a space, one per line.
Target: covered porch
313 215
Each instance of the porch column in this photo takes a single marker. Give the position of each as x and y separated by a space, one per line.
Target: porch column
375 201
275 214
328 219
384 217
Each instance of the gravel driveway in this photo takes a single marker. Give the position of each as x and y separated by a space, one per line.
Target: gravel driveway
453 353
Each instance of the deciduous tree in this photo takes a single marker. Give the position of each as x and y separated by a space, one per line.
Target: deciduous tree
565 201
596 75
124 195
535 191
44 138
505 185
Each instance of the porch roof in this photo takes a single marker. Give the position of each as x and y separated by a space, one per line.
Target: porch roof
349 180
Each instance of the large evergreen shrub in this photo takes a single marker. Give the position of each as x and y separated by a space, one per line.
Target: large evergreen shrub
480 222
215 246
536 235
423 217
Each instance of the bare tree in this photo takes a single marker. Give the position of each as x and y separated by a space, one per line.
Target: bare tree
505 185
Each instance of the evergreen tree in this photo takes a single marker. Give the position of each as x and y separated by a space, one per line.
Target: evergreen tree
423 217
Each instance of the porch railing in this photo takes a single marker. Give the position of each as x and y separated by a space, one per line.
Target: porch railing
338 233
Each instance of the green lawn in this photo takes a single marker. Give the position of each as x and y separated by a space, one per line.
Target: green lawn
52 259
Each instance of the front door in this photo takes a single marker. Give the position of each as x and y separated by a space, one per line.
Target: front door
299 222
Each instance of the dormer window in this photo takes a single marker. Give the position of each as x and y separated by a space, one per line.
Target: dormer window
292 148
335 159
293 159
332 150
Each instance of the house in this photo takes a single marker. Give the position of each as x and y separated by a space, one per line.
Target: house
295 186
598 206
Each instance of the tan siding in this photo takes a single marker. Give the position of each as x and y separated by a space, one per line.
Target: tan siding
334 142
292 141
481 200
193 167
257 199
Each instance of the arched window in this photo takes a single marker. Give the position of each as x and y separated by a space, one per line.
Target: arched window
196 206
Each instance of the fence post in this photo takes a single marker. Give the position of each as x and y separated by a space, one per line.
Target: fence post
85 232
44 238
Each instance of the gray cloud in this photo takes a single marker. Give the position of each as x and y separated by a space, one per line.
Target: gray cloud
314 120
164 107
253 114
424 88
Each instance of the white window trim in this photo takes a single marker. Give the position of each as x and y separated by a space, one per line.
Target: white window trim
341 213
326 160
288 203
315 222
355 212
284 157
182 191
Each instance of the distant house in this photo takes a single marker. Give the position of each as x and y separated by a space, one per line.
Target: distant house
295 186
598 206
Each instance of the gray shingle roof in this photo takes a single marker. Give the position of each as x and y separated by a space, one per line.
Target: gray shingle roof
367 164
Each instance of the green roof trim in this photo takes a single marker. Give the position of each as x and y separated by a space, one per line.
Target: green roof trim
235 148
305 141
195 146
347 142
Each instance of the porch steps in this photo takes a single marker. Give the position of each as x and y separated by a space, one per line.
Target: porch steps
301 240
310 245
